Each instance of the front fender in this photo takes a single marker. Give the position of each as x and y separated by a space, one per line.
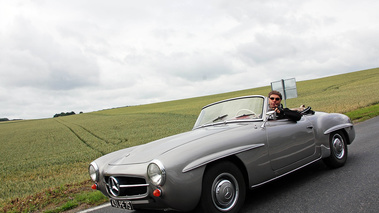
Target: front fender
219 155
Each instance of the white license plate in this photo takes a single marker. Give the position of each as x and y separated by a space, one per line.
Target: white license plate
122 204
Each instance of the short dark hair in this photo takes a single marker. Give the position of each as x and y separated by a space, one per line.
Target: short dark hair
274 92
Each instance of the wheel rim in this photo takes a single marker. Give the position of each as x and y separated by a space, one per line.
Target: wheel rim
338 146
225 192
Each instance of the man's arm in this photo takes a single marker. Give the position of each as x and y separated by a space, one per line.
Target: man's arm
292 115
287 113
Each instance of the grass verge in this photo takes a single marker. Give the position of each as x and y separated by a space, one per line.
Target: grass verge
60 199
363 114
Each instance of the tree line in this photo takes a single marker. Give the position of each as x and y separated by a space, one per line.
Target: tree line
65 114
55 116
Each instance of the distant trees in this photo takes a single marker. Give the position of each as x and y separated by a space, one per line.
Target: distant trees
64 114
4 119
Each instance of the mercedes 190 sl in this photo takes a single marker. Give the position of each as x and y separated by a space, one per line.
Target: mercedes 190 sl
235 145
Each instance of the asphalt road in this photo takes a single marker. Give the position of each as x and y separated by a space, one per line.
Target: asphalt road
316 188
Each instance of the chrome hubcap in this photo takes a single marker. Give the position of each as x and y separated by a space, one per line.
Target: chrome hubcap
338 146
225 192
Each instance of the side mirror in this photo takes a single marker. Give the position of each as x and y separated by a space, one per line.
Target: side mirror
270 115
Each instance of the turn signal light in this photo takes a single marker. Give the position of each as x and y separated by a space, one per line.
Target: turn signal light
94 186
157 193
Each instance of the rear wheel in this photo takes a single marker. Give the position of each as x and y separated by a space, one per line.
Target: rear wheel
223 189
338 150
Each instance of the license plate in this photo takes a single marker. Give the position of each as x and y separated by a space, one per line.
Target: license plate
122 204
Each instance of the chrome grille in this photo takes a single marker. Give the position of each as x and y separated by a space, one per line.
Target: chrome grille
128 187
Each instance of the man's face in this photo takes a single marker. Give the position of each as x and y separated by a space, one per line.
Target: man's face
274 101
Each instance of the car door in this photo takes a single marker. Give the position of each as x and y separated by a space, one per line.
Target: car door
289 141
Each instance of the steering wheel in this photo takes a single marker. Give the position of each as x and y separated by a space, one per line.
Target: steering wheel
250 112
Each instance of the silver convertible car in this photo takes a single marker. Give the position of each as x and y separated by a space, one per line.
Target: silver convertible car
235 145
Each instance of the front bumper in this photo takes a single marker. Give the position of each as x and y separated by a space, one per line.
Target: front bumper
181 191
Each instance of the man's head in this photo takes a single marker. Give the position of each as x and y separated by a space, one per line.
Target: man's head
274 99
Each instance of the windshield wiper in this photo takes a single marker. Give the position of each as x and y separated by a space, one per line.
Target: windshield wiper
220 117
240 116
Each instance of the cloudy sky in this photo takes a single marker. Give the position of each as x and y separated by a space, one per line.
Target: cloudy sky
87 55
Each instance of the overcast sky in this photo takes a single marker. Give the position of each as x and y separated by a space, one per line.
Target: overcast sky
88 55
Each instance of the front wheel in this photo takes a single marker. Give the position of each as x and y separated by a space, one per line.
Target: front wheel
223 189
338 150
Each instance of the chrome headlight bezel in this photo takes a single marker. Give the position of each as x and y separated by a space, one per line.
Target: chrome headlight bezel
156 173
93 171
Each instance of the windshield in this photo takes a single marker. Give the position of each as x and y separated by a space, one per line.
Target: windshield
250 107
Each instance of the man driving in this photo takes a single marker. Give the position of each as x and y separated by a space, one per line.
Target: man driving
275 99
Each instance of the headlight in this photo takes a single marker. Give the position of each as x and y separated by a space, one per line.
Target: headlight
93 171
156 173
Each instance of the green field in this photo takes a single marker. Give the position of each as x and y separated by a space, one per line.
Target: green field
38 155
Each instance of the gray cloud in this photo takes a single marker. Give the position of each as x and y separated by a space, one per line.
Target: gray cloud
31 58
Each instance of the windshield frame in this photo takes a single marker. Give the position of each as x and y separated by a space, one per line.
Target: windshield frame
220 118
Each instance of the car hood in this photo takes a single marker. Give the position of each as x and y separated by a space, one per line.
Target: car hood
150 151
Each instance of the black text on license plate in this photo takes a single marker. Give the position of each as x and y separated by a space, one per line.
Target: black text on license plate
122 204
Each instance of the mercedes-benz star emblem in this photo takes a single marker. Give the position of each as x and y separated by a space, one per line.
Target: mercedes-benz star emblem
114 186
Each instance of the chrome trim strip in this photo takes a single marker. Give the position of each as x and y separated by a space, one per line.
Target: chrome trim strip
253 186
216 156
232 99
136 185
337 127
230 122
134 197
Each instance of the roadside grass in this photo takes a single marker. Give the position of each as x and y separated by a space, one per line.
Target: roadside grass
58 199
363 114
39 156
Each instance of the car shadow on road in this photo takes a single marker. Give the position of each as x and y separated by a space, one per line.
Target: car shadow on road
269 191
260 197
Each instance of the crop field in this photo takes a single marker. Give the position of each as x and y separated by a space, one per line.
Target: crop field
36 155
